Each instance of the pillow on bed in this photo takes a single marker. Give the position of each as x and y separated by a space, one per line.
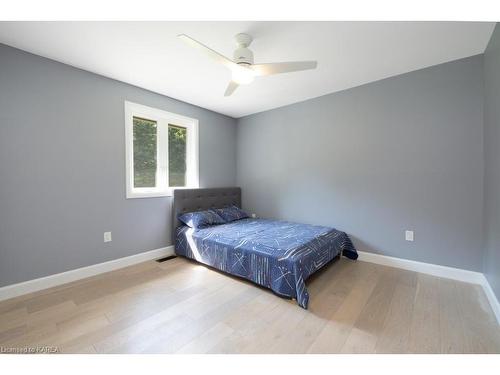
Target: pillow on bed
200 219
231 213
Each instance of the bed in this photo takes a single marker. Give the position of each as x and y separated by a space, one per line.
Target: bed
278 255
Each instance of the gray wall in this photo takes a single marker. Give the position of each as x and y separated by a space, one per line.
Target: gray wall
402 153
62 170
492 161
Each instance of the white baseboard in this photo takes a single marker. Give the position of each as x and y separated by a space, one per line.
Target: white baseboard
436 270
14 290
492 298
428 268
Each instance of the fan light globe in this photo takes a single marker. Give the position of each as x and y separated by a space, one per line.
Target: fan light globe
243 77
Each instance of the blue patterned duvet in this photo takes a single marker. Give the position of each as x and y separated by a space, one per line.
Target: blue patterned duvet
279 255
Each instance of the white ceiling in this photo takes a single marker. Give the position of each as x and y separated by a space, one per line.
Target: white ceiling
149 55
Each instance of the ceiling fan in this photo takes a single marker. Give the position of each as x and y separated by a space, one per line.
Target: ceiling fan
243 70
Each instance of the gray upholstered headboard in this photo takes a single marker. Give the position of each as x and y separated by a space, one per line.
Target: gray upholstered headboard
189 200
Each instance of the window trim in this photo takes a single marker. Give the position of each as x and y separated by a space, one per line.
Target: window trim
163 118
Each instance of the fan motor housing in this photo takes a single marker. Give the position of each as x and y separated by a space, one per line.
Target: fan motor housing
243 56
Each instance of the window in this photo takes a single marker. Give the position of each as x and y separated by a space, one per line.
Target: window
161 151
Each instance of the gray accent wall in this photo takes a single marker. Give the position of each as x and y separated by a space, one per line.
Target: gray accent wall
62 169
402 153
492 161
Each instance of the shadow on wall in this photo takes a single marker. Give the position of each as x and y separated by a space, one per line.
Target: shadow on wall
361 245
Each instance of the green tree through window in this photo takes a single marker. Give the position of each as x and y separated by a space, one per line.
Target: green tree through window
145 136
177 138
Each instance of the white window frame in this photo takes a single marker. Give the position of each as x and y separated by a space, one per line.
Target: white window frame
163 119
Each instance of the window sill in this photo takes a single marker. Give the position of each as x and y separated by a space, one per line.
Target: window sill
133 195
156 194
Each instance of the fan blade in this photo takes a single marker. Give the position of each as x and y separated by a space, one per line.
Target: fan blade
284 67
209 52
230 88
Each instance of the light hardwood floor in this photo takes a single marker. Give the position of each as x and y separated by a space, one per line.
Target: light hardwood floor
182 307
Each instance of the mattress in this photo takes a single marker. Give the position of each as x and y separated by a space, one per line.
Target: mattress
279 255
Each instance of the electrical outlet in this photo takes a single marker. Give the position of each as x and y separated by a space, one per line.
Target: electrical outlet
254 216
107 236
409 235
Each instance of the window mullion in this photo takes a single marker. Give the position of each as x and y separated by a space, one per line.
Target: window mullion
162 156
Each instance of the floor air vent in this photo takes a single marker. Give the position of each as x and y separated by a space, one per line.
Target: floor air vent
161 260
